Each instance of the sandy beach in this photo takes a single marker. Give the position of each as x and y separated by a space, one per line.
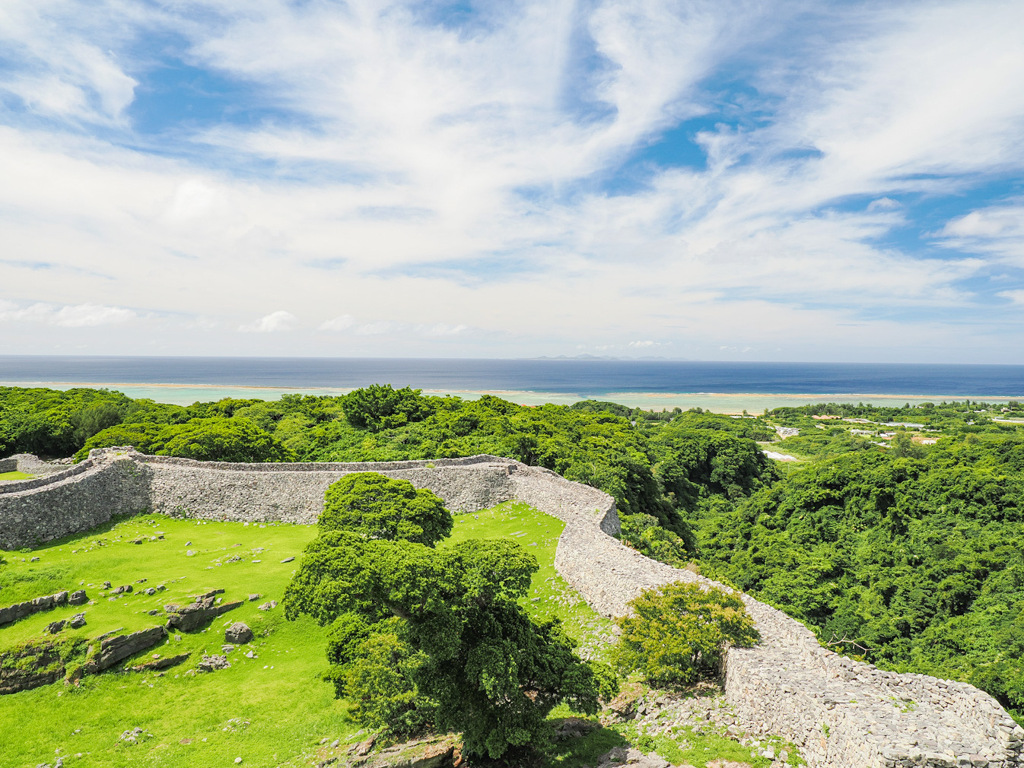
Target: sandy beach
730 403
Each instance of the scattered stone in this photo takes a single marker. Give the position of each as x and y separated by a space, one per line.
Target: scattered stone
132 736
78 597
189 553
151 591
106 585
254 597
213 663
268 605
77 621
620 756
287 559
238 633
56 626
123 590
34 560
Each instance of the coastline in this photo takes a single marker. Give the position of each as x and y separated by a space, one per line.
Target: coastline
719 402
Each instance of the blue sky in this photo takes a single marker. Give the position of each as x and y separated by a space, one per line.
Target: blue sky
691 180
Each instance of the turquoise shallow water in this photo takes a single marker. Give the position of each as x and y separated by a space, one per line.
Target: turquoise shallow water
718 386
718 402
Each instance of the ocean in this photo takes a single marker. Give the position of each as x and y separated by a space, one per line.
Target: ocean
727 387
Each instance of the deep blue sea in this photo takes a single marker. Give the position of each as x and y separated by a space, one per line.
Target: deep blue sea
588 378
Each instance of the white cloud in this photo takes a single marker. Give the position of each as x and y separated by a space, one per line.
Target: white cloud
997 230
72 316
65 67
272 323
340 323
440 329
1017 297
490 149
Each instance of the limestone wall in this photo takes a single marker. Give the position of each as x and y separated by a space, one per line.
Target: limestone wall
841 713
70 500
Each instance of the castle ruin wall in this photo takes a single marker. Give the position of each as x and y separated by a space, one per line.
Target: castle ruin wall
840 713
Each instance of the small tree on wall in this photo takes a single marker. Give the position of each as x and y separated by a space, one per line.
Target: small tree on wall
677 635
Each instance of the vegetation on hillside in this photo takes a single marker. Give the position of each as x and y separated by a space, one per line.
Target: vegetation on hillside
897 538
678 635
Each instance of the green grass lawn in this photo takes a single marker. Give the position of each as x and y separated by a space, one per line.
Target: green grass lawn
15 475
271 710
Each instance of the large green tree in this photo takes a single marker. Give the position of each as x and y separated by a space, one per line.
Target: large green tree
436 637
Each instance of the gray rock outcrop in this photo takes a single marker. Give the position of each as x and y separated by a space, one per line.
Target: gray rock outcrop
195 615
118 648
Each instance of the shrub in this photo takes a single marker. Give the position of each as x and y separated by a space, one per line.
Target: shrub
678 634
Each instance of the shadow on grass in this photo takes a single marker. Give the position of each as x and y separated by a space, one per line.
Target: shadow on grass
585 749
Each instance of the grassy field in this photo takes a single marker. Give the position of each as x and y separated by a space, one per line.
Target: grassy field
14 475
270 710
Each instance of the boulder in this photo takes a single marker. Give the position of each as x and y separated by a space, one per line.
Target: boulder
56 626
78 597
238 633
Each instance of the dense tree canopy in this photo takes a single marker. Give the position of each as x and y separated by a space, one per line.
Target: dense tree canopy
421 637
904 553
380 507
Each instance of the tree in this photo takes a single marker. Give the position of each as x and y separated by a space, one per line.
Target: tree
379 406
380 507
422 636
677 635
222 439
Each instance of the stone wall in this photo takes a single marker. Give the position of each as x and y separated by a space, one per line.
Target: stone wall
840 713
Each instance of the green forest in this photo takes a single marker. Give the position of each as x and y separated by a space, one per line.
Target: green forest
895 533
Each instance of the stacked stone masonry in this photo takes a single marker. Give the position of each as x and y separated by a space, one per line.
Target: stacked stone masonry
840 713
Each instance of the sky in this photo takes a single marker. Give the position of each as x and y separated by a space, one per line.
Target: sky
721 180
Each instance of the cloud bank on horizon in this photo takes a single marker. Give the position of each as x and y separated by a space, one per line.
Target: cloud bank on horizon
719 179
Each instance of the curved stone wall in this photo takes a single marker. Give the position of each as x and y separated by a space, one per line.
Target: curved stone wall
841 713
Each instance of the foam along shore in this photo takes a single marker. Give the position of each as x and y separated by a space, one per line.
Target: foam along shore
717 402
